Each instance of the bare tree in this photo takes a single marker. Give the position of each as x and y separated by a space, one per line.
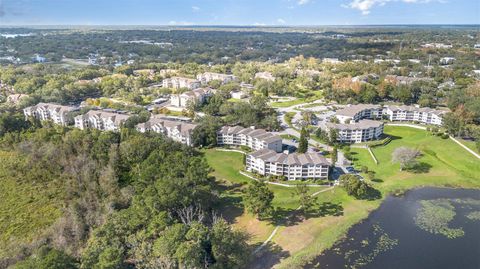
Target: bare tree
190 214
407 157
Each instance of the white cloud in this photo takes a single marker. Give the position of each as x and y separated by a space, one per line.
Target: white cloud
303 2
366 5
180 23
195 8
281 21
259 24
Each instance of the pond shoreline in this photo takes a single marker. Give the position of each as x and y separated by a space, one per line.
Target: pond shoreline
381 225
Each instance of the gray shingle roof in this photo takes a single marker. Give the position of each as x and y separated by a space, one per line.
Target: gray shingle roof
354 109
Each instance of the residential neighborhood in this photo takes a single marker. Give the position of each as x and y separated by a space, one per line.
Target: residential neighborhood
232 135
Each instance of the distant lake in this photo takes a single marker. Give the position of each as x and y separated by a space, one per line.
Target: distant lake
15 35
426 228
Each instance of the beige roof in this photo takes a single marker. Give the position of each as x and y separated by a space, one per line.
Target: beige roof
189 80
49 106
271 156
259 134
115 117
183 127
352 110
418 109
197 92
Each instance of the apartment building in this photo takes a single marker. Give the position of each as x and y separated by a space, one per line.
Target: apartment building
209 76
357 132
256 139
46 111
412 113
293 166
181 82
358 112
176 130
101 120
198 95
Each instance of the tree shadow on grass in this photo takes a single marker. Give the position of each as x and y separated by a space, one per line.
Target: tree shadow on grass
290 217
268 256
286 217
421 168
329 209
377 180
230 206
372 194
393 137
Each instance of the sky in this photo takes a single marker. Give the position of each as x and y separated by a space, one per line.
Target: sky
238 12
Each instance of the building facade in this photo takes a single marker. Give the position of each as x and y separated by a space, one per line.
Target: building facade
176 130
358 112
181 82
52 112
255 139
293 166
209 76
411 113
101 120
198 96
357 132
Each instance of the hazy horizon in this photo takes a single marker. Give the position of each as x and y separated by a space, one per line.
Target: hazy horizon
239 13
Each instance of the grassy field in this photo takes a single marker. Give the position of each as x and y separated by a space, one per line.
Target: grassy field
443 163
470 144
317 95
26 208
226 167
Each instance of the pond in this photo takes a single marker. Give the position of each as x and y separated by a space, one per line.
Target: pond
424 228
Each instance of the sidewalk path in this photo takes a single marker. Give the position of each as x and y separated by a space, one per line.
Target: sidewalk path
465 147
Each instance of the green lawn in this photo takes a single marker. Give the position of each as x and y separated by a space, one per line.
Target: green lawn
288 103
27 209
448 165
470 144
226 167
445 164
317 95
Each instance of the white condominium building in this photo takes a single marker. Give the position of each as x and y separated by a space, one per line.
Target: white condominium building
293 166
176 130
101 120
46 111
358 112
197 95
209 76
181 82
357 132
256 139
412 113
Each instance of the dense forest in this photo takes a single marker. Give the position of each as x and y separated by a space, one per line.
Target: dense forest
127 200
224 45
